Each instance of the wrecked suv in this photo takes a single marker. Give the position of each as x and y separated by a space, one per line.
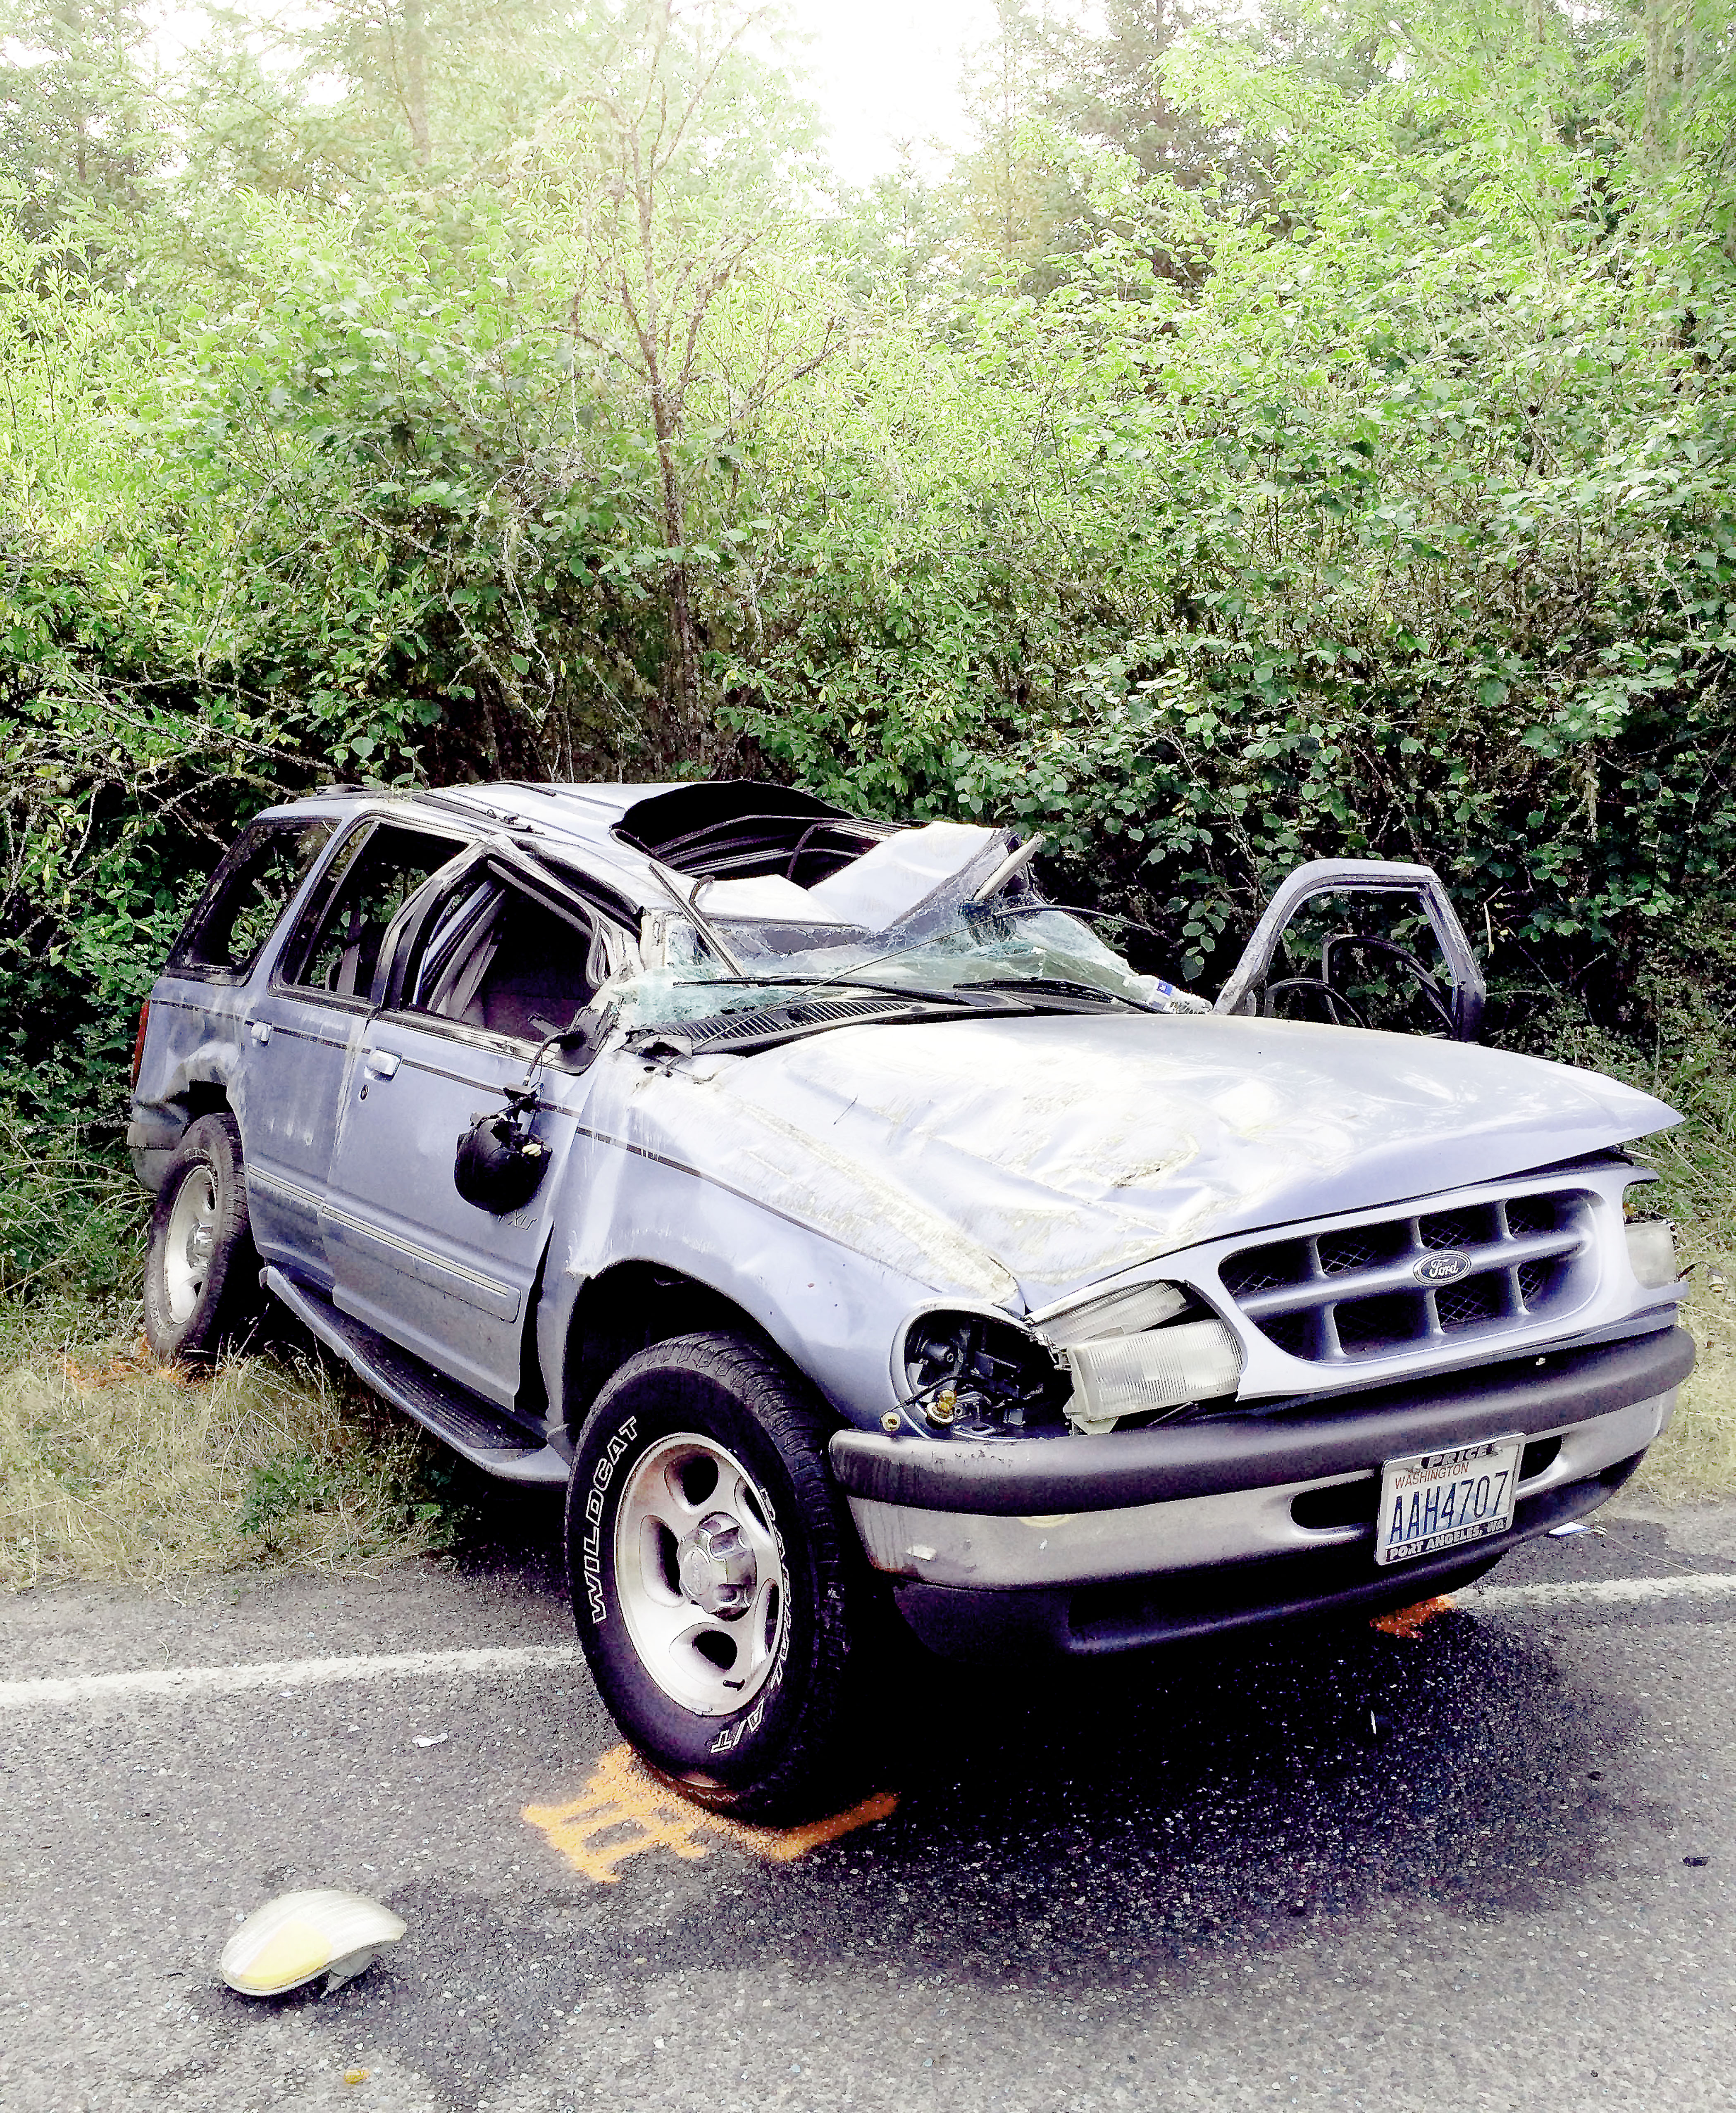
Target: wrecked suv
839 1222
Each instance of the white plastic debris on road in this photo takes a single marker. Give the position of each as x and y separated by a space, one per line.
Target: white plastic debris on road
298 1936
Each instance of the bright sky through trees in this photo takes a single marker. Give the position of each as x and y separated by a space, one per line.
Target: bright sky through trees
888 74
883 76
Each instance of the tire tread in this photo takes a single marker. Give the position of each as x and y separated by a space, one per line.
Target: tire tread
221 1317
812 1755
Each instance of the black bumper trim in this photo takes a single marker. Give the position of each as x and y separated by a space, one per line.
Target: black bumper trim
1010 1478
1092 1621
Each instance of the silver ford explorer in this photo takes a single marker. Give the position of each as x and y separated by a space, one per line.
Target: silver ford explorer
841 1222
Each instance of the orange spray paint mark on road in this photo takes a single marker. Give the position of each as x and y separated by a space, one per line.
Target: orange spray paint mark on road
1406 1621
623 1811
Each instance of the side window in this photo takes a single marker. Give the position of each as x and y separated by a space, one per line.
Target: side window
512 966
338 952
248 893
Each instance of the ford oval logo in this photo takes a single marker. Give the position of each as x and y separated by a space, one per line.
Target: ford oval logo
1441 1268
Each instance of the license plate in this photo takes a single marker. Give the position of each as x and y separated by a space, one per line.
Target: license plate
1441 1500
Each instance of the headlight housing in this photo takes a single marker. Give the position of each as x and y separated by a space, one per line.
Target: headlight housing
1122 1313
973 1374
1160 1370
1140 1353
1651 1239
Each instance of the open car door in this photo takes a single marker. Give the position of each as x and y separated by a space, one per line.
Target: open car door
1361 942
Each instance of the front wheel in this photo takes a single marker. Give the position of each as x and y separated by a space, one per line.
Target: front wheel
712 1574
201 1270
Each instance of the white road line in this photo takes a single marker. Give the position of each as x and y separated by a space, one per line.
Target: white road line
297 1673
1607 1592
285 1672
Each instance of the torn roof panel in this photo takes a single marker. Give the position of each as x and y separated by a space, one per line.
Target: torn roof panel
888 883
729 832
737 830
895 877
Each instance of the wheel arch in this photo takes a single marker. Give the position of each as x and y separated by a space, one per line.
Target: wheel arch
206 1097
628 1307
155 1129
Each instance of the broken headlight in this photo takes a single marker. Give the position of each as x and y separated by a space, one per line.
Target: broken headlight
1651 1240
1652 1249
974 1375
1140 1355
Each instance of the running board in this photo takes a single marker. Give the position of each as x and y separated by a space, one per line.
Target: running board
486 1436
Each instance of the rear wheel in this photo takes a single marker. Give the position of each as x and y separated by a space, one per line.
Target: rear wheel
713 1576
201 1271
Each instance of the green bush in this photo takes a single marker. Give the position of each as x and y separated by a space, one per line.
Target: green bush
1371 491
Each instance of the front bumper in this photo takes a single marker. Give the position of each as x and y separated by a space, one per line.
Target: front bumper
1086 1545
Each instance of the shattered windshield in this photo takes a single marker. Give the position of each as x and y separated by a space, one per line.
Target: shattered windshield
953 950
943 912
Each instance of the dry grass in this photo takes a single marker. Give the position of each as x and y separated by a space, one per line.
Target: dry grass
111 1467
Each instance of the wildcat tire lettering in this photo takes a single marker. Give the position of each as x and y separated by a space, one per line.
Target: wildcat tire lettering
592 1556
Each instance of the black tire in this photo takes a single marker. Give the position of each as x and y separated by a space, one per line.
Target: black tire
201 1271
779 1753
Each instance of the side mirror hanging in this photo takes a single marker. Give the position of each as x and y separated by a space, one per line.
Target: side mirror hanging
500 1165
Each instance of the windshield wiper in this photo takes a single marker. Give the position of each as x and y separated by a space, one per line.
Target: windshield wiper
782 1020
915 996
1057 987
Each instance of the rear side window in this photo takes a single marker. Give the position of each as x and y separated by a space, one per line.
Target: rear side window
338 950
247 897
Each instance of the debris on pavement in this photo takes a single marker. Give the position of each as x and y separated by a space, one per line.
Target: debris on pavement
1406 1621
294 1939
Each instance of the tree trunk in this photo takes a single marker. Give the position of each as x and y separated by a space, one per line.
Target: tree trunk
1539 18
1659 63
416 82
1690 75
681 727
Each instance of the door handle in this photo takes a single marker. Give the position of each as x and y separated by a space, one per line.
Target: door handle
381 1064
260 1030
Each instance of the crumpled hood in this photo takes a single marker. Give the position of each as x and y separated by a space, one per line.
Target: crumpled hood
1024 1159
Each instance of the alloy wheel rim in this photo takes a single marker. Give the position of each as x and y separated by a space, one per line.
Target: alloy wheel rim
700 1574
189 1243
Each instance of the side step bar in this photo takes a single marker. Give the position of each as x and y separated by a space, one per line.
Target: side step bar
485 1436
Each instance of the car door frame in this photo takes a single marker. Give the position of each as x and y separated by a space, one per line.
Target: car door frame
1320 877
373 1259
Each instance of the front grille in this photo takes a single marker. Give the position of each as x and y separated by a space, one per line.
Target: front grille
1356 1250
1354 1292
1446 1230
1477 1298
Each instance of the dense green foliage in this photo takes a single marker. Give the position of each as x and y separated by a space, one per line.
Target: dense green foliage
1309 434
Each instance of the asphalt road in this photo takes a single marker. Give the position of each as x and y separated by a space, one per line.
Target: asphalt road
1486 1865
